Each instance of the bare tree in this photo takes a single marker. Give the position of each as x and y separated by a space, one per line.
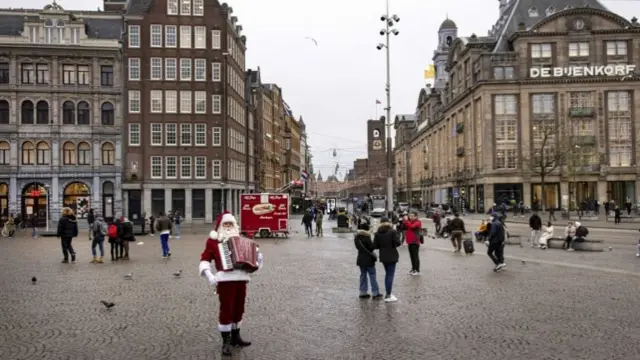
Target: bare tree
546 155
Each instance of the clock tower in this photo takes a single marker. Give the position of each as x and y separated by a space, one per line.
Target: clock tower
376 148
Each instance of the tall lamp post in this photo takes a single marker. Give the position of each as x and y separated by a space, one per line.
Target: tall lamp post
390 21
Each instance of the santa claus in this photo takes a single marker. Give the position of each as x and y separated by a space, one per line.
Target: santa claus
231 285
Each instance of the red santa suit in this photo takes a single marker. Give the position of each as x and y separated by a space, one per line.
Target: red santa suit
231 284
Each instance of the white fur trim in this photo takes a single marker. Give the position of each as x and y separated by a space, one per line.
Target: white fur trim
225 328
235 275
204 267
227 218
236 326
213 235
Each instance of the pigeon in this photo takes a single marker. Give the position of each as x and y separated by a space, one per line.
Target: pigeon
107 304
34 280
524 262
610 248
129 276
177 274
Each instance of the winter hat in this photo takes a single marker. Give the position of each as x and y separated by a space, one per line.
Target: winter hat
228 218
364 226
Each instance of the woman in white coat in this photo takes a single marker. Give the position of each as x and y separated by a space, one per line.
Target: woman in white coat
547 233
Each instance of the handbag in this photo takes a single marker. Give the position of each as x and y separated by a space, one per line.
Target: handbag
374 256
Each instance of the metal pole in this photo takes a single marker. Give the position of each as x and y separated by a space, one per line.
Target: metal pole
47 198
388 120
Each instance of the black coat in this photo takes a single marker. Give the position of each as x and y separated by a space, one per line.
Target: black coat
125 231
364 244
387 241
67 227
343 221
535 222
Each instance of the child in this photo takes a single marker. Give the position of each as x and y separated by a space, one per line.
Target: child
482 231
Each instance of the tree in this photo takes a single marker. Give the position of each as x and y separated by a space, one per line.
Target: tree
546 156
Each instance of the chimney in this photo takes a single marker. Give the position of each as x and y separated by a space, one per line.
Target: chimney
114 5
503 6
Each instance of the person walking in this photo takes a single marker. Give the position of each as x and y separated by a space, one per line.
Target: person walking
535 223
152 222
33 219
457 229
177 220
319 218
10 226
126 236
91 218
412 227
307 221
67 230
98 231
386 240
497 236
114 240
367 262
164 227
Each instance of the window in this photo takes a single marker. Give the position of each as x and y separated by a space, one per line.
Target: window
134 101
619 124
185 102
198 7
171 167
42 112
108 154
84 154
200 167
543 104
185 7
156 134
156 36
170 69
200 37
216 104
172 7
134 134
171 134
185 134
134 69
579 49
216 169
156 68
506 158
69 155
170 101
156 101
4 112
156 167
4 73
616 48
216 71
185 69
68 74
201 134
541 51
42 73
107 114
106 75
43 153
200 69
200 102
28 153
52 35
84 113
68 113
216 136
215 40
134 36
185 36
5 153
503 73
185 167
543 123
170 36
84 75
75 36
505 118
28 74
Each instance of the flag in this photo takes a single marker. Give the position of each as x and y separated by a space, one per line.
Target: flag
430 72
304 175
378 102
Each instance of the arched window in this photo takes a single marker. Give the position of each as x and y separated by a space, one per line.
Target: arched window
28 153
5 153
76 197
42 109
107 114
69 153
107 199
27 112
84 113
43 153
68 113
84 154
108 154
4 112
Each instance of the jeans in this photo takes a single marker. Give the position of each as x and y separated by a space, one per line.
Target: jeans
164 241
34 232
496 252
567 241
90 232
535 237
67 248
389 273
319 229
114 250
364 286
100 244
414 255
456 239
308 229
176 231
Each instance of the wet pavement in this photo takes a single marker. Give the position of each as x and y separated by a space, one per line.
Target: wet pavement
303 305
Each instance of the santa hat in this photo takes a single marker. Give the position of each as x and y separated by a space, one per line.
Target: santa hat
213 235
219 219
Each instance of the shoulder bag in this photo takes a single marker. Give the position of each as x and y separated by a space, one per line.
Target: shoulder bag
374 256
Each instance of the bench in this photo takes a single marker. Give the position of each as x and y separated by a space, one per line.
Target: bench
341 230
586 245
624 218
513 239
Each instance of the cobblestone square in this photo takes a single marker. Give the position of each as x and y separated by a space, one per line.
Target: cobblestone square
303 305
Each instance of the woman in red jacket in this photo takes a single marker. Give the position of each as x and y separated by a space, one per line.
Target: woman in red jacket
413 238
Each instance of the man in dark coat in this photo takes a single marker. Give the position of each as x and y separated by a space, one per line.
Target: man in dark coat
387 241
497 237
535 223
367 262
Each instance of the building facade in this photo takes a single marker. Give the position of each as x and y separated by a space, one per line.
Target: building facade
292 135
404 126
542 110
61 112
188 138
272 122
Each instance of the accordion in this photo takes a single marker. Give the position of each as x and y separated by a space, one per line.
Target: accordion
239 253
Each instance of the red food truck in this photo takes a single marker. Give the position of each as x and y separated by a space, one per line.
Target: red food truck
266 215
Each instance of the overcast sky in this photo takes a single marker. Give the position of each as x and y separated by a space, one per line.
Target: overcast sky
335 84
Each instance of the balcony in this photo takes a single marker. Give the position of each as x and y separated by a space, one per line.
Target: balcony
459 128
582 111
460 151
585 140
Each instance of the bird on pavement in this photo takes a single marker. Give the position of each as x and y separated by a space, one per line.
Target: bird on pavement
177 274
129 276
107 304
34 280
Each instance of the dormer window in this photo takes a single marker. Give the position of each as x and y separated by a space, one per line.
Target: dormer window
568 7
533 12
550 10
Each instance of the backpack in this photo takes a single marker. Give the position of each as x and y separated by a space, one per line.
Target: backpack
99 231
112 232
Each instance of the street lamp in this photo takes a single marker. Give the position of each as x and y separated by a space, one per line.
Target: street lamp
390 21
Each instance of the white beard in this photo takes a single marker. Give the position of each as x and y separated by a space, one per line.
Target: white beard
226 233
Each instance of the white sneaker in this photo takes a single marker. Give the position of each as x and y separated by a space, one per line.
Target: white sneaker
638 255
500 266
391 298
415 273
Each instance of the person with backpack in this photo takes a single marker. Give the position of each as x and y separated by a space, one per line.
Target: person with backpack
366 261
386 240
497 237
114 241
98 231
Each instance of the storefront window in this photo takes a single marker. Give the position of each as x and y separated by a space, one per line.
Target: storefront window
582 193
157 201
507 194
198 203
4 199
78 197
107 200
551 196
472 198
177 201
620 191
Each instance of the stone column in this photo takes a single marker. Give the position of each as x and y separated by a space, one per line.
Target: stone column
146 201
54 198
13 195
15 153
125 203
95 194
565 201
55 153
168 196
188 205
227 194
118 205
488 196
602 191
526 194
208 206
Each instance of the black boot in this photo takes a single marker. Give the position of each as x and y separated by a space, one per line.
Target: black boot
237 341
226 343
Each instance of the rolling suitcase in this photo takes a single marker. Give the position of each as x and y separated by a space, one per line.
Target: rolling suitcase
468 246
